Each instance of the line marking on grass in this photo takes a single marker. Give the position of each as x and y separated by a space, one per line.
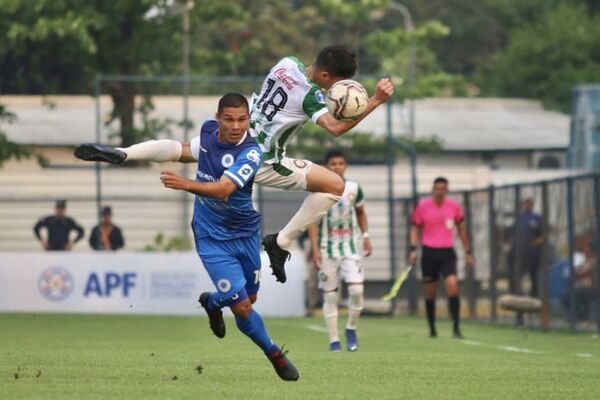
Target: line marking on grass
584 355
317 328
513 349
518 349
471 342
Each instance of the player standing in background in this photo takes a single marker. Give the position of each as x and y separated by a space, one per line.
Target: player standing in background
336 253
290 96
225 224
433 221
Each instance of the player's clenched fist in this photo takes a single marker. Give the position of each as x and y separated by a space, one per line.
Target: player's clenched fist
384 90
173 181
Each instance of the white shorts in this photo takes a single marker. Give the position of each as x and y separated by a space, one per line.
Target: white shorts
349 269
289 174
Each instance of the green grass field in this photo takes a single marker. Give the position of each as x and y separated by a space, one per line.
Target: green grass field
100 357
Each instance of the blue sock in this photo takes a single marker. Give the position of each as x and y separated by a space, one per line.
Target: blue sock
214 301
254 328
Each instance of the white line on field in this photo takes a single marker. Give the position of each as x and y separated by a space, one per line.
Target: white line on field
317 328
501 347
584 355
471 342
518 349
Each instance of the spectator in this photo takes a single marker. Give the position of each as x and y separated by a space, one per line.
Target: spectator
58 227
527 247
106 235
584 260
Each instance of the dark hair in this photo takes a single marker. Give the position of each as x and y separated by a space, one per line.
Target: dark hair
333 154
440 179
61 204
338 60
234 100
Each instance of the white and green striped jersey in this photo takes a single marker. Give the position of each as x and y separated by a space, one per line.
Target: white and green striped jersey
287 100
339 233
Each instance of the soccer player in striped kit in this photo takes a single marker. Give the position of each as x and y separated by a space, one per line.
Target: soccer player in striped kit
433 221
336 247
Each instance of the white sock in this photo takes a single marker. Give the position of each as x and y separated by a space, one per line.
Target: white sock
330 312
154 150
314 207
355 304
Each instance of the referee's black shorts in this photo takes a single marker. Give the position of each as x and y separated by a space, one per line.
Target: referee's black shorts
436 262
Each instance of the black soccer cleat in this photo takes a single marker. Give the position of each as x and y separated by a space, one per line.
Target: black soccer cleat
215 318
99 152
277 257
284 368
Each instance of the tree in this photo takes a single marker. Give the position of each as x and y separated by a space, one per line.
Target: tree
59 45
392 49
546 59
9 149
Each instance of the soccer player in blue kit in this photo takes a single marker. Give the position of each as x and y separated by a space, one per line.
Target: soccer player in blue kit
225 224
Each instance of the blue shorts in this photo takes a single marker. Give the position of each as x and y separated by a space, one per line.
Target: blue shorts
232 264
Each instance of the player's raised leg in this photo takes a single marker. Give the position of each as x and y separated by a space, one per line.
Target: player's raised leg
291 174
327 188
162 150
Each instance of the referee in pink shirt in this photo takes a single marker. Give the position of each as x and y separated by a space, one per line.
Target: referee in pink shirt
433 222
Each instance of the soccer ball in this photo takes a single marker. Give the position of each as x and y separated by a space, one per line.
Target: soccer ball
347 100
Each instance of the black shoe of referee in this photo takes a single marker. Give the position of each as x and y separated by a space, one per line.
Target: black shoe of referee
215 318
99 152
457 334
277 257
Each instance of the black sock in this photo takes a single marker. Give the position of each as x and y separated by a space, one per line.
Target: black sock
454 308
430 308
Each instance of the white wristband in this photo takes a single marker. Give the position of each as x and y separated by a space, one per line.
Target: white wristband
366 235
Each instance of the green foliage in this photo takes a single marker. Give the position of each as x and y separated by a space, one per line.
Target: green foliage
175 243
360 147
394 50
517 48
9 149
560 50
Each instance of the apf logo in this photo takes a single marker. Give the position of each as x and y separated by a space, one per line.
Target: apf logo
56 283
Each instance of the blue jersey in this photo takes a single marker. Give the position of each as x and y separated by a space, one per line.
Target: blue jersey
234 217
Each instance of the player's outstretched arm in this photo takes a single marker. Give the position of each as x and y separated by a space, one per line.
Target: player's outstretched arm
218 190
383 91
